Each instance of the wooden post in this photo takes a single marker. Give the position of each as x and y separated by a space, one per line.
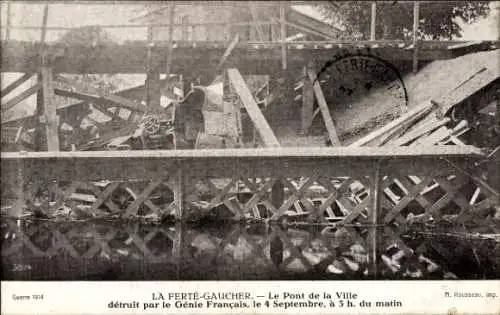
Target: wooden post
7 26
497 113
148 65
373 21
375 216
43 35
153 87
179 193
14 85
178 249
307 112
376 195
170 47
40 132
372 242
416 18
49 115
283 35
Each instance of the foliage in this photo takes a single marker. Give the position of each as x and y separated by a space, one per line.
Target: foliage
91 35
438 20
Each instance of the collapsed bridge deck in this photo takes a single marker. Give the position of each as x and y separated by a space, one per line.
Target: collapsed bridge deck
249 57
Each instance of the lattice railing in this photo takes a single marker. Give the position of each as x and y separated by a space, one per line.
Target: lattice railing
237 251
88 241
318 189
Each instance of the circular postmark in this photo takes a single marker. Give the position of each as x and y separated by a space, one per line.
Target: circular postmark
363 90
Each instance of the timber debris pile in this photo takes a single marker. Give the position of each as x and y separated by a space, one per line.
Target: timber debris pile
461 110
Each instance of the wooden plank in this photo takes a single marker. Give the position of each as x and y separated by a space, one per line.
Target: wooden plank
49 110
227 52
497 112
8 21
252 108
305 154
295 37
327 117
283 36
17 83
434 137
179 194
463 91
170 46
373 21
377 193
307 114
416 19
413 114
21 97
43 51
429 126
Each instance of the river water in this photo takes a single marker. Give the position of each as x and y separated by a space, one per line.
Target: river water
104 250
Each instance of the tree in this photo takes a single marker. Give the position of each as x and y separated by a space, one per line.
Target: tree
91 35
438 20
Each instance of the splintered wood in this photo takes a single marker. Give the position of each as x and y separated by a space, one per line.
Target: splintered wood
252 108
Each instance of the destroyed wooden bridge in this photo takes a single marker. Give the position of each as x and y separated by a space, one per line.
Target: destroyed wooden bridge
399 174
312 183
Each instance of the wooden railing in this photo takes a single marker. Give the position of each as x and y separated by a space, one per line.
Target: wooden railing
384 185
110 251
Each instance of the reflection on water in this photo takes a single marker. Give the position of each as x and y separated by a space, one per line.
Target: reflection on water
38 250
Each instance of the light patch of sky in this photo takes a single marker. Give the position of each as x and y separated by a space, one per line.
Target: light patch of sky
77 15
74 15
487 28
484 29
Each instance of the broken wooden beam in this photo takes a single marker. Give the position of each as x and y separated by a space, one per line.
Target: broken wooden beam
393 126
479 80
92 95
227 53
426 127
416 20
49 110
253 110
21 97
434 137
17 83
283 36
327 117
